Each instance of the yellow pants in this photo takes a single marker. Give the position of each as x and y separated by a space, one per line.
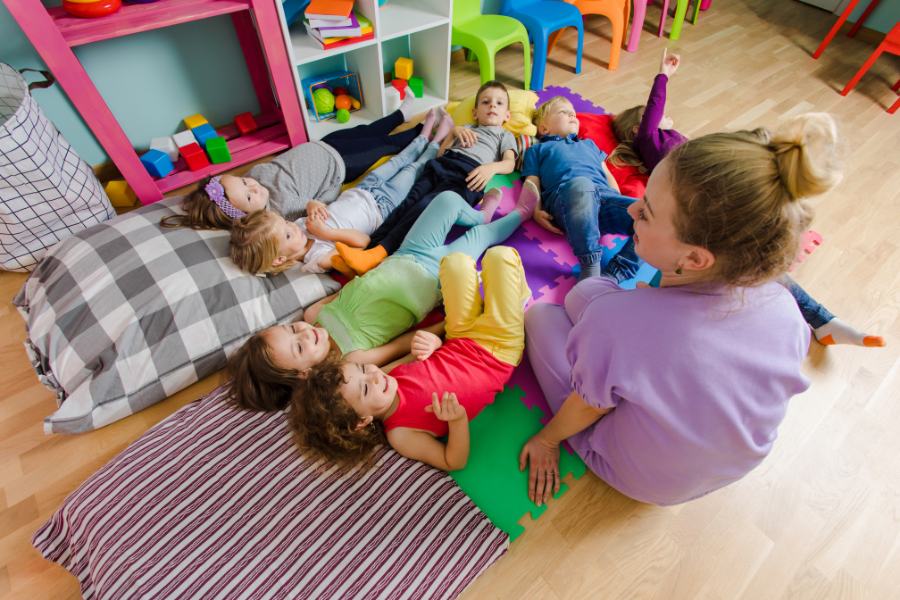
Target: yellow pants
496 323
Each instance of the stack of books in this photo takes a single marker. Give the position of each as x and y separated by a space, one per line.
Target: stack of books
332 23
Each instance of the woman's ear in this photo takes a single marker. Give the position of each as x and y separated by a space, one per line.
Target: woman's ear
699 259
364 422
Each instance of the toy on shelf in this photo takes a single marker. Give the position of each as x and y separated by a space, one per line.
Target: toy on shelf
217 148
245 123
195 121
194 157
400 86
185 138
167 145
203 133
157 163
391 99
403 68
340 91
343 102
343 115
90 10
417 86
317 91
120 193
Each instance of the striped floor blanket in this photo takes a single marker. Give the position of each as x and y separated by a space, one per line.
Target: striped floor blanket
214 503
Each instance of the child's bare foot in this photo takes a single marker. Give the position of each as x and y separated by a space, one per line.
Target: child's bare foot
342 267
528 200
490 202
444 126
428 125
838 332
361 261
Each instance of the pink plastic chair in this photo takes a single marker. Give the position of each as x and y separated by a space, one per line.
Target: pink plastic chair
637 25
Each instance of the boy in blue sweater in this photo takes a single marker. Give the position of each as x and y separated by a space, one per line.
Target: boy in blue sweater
578 195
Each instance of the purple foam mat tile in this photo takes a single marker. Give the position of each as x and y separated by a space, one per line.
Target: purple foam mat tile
523 376
578 103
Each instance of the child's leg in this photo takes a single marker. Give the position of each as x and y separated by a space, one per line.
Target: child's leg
361 153
497 324
576 206
385 172
394 190
480 238
382 126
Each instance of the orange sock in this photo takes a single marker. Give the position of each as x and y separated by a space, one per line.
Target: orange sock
361 261
342 267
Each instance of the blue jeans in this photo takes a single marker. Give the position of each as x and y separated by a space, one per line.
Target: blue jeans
390 183
425 241
585 211
814 313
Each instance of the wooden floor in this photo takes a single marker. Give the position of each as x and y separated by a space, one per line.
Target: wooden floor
819 519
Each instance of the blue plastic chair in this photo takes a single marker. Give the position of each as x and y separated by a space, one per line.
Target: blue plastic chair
541 18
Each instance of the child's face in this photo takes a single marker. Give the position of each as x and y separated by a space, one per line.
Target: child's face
492 107
561 120
291 241
297 345
368 389
244 193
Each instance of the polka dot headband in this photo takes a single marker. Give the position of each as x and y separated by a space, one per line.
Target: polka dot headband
217 194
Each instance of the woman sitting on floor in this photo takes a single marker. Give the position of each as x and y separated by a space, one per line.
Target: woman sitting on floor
669 394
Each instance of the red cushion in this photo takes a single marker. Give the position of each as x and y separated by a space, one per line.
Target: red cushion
599 129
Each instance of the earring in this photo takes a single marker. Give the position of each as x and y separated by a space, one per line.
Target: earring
678 270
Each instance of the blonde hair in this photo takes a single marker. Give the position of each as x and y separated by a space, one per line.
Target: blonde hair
254 246
623 125
740 195
543 110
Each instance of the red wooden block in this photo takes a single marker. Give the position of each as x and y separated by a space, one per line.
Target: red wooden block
194 156
245 123
400 84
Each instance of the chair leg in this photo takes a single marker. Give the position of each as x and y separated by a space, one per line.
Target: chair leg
554 37
640 12
618 34
696 12
896 86
662 19
862 19
538 62
470 56
894 107
863 70
580 28
485 58
527 51
680 12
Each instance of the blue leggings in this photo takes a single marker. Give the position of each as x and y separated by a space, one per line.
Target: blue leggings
425 241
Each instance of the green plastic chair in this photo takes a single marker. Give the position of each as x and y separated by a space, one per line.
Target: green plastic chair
680 13
483 35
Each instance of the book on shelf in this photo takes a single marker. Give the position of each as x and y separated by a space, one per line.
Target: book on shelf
328 43
329 10
321 23
352 30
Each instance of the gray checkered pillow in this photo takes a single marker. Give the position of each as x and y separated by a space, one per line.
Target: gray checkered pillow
126 313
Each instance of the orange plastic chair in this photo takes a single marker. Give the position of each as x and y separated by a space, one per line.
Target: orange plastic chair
896 104
617 11
890 44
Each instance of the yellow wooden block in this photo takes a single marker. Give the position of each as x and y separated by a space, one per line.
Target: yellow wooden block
195 121
120 193
403 68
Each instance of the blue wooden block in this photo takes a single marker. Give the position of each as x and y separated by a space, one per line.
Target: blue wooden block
157 163
203 133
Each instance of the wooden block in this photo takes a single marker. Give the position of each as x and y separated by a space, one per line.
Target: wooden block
400 86
167 145
245 123
203 133
194 157
195 121
157 163
120 193
185 138
217 148
403 68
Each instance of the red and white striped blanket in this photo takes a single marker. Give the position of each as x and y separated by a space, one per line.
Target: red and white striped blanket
216 503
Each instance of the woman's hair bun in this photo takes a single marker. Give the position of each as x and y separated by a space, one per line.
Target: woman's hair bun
807 154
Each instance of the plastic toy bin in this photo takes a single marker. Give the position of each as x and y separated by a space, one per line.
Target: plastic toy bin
334 79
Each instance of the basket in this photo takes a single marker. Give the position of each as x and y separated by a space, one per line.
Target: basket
334 79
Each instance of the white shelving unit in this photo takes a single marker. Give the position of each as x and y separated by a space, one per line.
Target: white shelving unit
416 29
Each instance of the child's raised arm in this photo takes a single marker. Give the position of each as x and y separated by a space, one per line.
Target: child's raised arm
420 446
656 104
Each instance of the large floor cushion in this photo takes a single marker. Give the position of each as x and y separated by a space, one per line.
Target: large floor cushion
215 503
126 313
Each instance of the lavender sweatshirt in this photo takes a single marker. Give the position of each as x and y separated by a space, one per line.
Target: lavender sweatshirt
698 383
651 142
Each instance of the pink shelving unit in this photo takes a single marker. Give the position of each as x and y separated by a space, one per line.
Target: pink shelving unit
53 32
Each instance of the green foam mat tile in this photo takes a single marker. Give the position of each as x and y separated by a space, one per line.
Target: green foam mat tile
502 181
492 478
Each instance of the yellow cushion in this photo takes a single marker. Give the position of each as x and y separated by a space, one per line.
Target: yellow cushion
353 184
521 105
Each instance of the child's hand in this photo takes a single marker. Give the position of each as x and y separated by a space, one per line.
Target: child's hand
448 409
424 344
669 64
314 208
466 136
479 177
316 225
545 220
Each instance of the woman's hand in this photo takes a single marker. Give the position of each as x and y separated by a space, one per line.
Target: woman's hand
669 64
424 343
545 220
315 224
543 474
467 138
448 409
314 208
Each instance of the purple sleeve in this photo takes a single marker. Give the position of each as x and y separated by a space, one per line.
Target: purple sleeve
581 295
653 114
